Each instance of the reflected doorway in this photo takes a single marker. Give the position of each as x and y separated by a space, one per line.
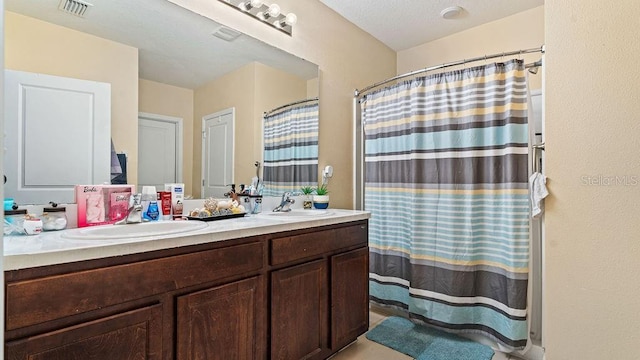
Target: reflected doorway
217 153
159 150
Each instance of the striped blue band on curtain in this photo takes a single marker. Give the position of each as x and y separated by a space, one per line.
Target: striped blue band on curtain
290 149
446 184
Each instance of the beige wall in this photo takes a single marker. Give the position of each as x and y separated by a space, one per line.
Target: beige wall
313 88
348 58
168 100
592 292
520 31
251 90
37 46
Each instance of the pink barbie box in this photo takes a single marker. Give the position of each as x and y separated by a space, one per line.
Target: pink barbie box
102 204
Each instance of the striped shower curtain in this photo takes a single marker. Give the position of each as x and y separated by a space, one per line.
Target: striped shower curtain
446 184
290 149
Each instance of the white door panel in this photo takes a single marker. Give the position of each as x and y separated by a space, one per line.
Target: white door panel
159 150
58 136
217 153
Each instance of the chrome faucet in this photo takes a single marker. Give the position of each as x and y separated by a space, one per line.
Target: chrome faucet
134 213
285 203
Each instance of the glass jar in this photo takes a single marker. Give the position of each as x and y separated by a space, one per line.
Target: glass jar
32 225
307 201
54 218
14 222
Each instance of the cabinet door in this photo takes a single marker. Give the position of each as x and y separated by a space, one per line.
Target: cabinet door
299 312
222 322
132 335
349 297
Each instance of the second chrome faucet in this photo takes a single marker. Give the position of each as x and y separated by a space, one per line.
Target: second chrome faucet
285 203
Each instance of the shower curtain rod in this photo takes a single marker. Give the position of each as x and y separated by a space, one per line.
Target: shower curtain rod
267 113
445 65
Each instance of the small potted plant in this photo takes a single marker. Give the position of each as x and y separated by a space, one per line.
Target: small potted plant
307 192
321 198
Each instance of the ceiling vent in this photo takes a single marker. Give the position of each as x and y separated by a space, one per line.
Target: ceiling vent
226 33
75 7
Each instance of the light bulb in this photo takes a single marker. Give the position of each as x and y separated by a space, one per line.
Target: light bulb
274 10
251 4
291 19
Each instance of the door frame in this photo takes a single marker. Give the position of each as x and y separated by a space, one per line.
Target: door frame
179 122
232 111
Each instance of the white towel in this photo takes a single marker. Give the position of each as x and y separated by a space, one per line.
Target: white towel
537 192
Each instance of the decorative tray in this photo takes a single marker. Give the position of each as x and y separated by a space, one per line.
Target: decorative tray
214 218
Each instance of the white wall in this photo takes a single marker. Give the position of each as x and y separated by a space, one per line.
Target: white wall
592 293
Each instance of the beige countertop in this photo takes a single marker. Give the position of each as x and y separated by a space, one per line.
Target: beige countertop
52 247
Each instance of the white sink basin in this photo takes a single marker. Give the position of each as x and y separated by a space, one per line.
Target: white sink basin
128 231
299 214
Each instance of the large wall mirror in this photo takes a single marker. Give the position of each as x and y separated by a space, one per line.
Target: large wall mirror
168 65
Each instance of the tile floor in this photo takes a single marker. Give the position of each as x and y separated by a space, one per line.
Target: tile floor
363 349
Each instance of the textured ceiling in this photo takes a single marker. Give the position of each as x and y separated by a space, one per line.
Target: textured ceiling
402 24
176 46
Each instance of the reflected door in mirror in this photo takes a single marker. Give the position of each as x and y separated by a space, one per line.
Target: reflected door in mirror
159 150
58 136
217 153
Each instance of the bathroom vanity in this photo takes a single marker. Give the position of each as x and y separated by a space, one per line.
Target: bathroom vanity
256 287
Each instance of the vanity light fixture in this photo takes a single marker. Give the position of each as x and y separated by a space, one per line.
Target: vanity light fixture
268 14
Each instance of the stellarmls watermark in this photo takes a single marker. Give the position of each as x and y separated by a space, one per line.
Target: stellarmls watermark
611 180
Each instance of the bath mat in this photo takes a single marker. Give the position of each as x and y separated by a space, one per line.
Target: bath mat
425 343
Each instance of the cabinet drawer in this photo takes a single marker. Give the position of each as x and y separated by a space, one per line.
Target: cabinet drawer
36 301
291 248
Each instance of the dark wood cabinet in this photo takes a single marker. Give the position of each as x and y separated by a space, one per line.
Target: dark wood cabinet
299 312
283 296
319 292
200 302
131 335
221 322
349 296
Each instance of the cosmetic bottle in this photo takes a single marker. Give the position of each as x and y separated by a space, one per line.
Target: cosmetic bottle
150 210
